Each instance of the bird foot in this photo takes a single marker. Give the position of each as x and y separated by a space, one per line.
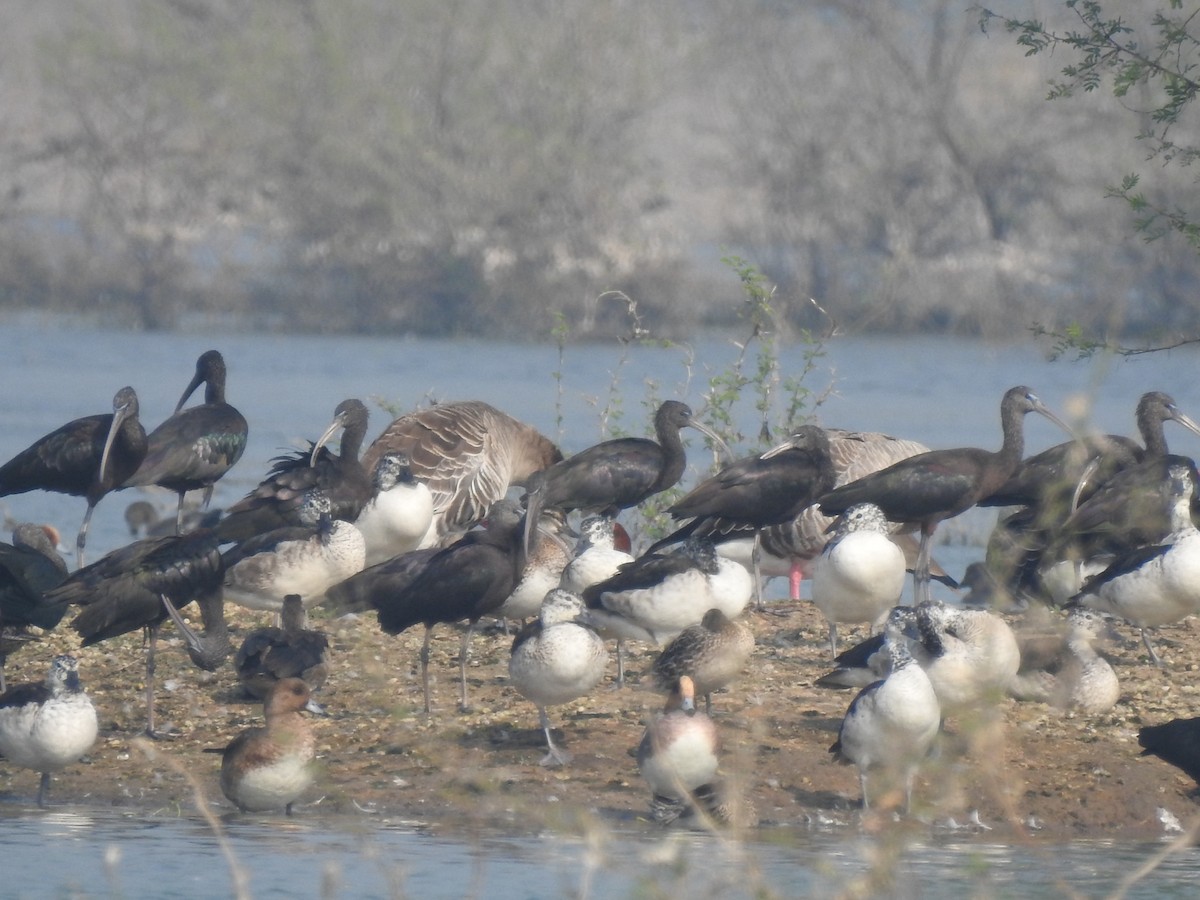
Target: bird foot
555 757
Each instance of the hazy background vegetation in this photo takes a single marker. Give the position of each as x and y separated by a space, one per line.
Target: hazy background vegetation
467 166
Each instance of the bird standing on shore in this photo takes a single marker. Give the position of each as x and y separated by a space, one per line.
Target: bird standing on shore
50 725
87 457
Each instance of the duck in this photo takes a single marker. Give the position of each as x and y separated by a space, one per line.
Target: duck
555 660
860 573
658 595
291 650
970 655
269 767
1068 672
1159 583
891 724
305 559
49 725
596 556
712 653
869 660
678 754
397 517
548 556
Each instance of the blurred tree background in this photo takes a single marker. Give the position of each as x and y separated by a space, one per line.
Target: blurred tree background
445 167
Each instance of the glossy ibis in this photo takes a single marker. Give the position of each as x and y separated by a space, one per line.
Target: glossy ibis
124 591
276 502
468 580
860 574
617 474
270 767
195 447
48 725
291 650
1155 584
87 457
29 567
1176 742
397 517
891 724
468 454
555 660
925 489
758 491
712 653
305 559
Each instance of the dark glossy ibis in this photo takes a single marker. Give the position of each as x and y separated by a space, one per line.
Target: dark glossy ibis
769 489
305 559
1176 742
29 567
48 725
620 473
789 549
1158 583
1049 486
276 501
468 580
292 650
925 489
195 447
554 660
124 591
397 517
468 454
87 457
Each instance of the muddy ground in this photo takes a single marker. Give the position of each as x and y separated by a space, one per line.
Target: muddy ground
1039 772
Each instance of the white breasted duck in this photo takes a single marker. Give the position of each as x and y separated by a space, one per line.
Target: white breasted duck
860 574
266 768
556 660
658 595
302 559
678 754
970 655
596 556
399 513
1065 670
48 725
891 724
549 554
1157 584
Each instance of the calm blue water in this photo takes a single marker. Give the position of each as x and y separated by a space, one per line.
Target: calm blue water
944 392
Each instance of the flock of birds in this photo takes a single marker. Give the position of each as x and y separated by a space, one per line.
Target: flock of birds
419 528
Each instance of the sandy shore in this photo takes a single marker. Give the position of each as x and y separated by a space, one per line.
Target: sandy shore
1039 774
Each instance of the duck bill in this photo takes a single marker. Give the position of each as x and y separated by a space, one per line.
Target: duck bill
315 708
324 439
120 414
196 381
